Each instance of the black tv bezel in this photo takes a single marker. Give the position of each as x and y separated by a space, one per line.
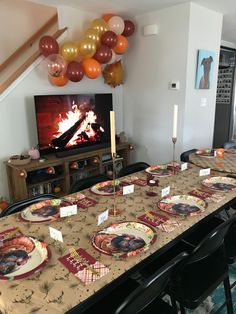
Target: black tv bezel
85 147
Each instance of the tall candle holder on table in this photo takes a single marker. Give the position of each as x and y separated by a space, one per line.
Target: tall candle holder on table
174 140
114 211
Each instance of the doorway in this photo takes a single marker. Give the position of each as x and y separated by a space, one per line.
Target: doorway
225 100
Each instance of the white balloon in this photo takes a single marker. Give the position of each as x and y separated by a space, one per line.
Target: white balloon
116 24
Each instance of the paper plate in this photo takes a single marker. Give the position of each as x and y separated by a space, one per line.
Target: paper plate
182 205
43 211
160 171
21 257
124 239
205 153
230 150
223 184
106 188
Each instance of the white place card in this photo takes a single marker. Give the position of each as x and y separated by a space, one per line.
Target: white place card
67 211
165 191
55 234
103 216
205 172
184 166
128 189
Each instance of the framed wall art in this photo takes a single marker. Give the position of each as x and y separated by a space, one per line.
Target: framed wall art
205 66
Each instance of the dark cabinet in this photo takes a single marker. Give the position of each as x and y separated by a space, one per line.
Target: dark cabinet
224 98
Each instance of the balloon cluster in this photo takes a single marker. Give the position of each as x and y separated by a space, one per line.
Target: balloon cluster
106 38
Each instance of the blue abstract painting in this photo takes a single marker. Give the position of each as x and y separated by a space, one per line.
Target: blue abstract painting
205 66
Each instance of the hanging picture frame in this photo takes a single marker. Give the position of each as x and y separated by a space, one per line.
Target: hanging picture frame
205 66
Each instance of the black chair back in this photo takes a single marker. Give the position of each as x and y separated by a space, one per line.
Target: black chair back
230 237
138 166
229 144
211 242
151 288
204 269
184 157
86 183
22 204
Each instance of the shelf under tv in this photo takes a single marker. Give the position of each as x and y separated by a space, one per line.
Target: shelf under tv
81 150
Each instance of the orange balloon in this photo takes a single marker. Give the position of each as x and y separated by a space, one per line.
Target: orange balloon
58 80
92 68
122 45
107 16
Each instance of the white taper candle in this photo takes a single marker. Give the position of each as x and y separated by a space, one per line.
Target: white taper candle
113 133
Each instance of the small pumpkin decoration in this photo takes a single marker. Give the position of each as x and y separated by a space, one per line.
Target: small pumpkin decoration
34 153
3 204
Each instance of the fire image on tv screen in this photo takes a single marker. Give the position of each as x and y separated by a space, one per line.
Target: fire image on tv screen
72 122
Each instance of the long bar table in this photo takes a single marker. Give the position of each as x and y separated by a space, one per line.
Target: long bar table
225 164
54 289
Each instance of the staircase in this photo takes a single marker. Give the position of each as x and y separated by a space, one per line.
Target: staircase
24 24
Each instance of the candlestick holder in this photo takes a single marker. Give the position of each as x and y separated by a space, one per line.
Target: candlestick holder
174 140
114 211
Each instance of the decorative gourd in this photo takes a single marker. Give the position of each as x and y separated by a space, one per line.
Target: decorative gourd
3 204
34 153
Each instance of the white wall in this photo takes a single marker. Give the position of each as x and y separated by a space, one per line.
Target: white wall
153 63
199 119
18 124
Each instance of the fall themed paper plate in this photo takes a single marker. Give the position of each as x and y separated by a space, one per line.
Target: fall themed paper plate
21 257
182 205
223 184
160 170
124 239
43 211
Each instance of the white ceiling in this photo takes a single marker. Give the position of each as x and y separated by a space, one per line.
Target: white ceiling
136 7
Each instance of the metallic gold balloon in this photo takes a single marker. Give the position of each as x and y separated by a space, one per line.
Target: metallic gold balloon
100 25
87 48
93 34
114 74
69 50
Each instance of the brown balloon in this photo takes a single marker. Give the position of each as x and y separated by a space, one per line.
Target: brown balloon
75 71
103 54
48 45
114 74
129 28
109 39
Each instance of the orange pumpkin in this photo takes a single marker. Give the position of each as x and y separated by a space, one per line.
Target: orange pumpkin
57 189
3 204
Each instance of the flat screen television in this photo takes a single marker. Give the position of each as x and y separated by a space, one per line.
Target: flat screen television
69 124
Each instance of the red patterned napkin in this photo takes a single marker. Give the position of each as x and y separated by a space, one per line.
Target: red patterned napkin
85 202
160 221
81 200
84 266
207 196
75 197
137 181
